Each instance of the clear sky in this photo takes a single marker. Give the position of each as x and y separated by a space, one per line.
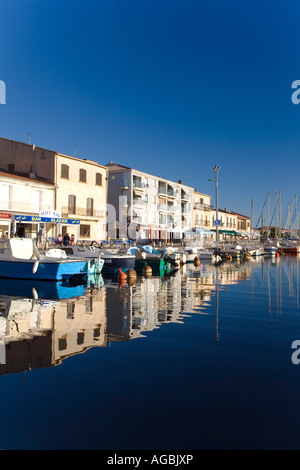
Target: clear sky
168 87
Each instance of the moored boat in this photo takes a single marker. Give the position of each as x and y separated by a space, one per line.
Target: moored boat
20 259
113 261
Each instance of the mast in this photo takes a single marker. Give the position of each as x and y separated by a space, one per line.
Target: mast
268 216
275 233
279 216
251 220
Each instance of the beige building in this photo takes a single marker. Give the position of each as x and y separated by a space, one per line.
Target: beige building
232 223
80 186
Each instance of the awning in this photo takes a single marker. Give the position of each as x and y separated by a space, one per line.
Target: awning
52 220
226 232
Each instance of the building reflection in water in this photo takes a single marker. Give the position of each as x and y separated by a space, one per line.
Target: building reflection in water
42 333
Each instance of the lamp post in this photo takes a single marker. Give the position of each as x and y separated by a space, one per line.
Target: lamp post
216 169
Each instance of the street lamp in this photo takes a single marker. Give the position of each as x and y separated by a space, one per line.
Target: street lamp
216 169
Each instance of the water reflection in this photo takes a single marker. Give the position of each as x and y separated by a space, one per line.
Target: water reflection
42 324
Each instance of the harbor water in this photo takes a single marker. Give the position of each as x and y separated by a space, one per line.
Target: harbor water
203 359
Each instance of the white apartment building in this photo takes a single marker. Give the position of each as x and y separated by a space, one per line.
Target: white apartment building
147 207
22 202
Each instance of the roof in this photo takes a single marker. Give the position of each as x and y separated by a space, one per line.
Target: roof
117 167
24 178
53 151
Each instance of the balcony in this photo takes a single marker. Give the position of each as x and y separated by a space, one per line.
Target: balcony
124 184
207 207
139 203
162 190
162 207
81 211
171 208
185 197
23 206
138 185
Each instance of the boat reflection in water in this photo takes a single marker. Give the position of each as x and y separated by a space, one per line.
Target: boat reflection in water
42 324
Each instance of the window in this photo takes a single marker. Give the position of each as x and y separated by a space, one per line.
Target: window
37 198
85 231
82 175
72 204
98 179
64 171
6 196
153 199
90 206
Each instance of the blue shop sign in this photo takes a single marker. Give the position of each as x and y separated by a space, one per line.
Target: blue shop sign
51 220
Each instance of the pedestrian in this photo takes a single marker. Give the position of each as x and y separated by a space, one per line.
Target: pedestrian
66 241
72 240
41 235
59 240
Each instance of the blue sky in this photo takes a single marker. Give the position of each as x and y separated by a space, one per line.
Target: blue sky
169 87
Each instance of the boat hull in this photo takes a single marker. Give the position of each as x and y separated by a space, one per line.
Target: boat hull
112 265
45 271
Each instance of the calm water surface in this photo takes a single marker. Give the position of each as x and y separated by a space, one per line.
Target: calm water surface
199 360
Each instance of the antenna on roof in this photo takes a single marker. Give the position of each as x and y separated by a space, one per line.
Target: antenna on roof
29 137
75 150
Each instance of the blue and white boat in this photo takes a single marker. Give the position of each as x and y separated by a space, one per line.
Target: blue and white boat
20 259
80 251
113 261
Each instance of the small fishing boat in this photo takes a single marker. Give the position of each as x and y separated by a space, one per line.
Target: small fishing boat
79 250
20 259
289 248
113 261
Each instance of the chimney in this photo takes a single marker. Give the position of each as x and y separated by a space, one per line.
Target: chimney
180 181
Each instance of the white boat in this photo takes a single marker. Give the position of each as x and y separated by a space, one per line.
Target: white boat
20 259
80 251
113 261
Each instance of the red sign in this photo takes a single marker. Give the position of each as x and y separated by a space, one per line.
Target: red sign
4 216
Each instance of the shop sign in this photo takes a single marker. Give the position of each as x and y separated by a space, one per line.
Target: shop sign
50 213
51 220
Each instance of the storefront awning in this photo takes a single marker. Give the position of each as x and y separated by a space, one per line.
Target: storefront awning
226 232
51 220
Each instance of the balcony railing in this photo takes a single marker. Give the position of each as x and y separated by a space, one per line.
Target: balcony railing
185 197
81 211
137 184
171 207
23 206
162 190
139 202
162 207
124 184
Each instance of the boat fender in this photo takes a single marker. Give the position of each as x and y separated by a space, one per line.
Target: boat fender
196 261
131 273
121 275
147 270
35 267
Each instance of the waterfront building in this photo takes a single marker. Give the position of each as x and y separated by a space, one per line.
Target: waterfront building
201 213
80 186
231 225
22 200
153 208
